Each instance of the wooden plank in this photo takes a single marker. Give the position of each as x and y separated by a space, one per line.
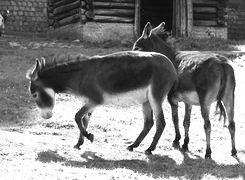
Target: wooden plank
121 1
113 19
204 10
137 19
115 12
109 5
67 7
67 14
205 16
205 23
63 2
68 20
205 2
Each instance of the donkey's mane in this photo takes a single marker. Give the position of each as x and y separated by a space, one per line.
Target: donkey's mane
63 62
190 60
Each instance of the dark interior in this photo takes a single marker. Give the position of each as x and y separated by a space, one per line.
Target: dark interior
155 12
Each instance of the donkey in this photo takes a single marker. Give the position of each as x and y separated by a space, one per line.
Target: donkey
3 19
203 79
122 78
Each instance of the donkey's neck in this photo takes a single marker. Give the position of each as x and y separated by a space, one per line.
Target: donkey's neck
168 50
62 77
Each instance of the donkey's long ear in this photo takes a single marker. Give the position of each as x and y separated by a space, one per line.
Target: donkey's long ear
147 30
32 73
42 63
160 28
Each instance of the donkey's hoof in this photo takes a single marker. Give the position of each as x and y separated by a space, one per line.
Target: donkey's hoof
77 147
208 153
91 138
185 148
130 148
148 152
207 156
176 144
234 153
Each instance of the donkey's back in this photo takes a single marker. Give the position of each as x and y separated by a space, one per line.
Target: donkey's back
126 78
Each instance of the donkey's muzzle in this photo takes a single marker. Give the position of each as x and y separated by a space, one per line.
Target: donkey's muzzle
46 114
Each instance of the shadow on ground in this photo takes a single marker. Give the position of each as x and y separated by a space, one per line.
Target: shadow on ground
156 166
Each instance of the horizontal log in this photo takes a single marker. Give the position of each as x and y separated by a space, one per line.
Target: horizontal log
205 23
67 14
60 25
121 1
205 3
113 19
68 20
67 7
115 12
205 16
109 5
63 2
204 10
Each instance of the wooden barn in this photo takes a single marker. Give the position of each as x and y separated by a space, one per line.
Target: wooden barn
100 20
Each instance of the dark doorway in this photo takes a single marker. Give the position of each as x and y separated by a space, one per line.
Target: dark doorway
155 12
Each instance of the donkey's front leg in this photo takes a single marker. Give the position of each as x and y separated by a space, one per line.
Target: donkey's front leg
82 118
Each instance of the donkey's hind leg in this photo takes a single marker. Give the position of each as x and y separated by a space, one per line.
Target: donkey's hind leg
228 101
175 118
81 118
187 126
207 127
160 125
148 123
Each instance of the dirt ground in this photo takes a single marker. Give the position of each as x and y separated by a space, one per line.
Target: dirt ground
33 148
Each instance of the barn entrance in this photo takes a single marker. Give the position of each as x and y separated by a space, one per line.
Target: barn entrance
155 12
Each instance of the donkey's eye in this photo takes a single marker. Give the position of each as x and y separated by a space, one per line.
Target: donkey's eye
34 95
137 48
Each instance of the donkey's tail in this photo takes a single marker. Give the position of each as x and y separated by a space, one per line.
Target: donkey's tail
172 92
220 109
220 105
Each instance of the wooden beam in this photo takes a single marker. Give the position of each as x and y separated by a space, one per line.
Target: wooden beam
205 23
63 2
115 12
68 20
113 19
67 14
67 7
137 19
204 10
109 5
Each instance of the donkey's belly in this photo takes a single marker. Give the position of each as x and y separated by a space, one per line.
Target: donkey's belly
125 99
189 97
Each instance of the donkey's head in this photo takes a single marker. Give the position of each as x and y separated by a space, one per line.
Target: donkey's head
154 39
41 92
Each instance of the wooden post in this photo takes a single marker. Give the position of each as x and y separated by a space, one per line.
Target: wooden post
180 15
137 19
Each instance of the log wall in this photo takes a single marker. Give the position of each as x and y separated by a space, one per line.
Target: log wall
63 12
209 13
236 19
114 11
